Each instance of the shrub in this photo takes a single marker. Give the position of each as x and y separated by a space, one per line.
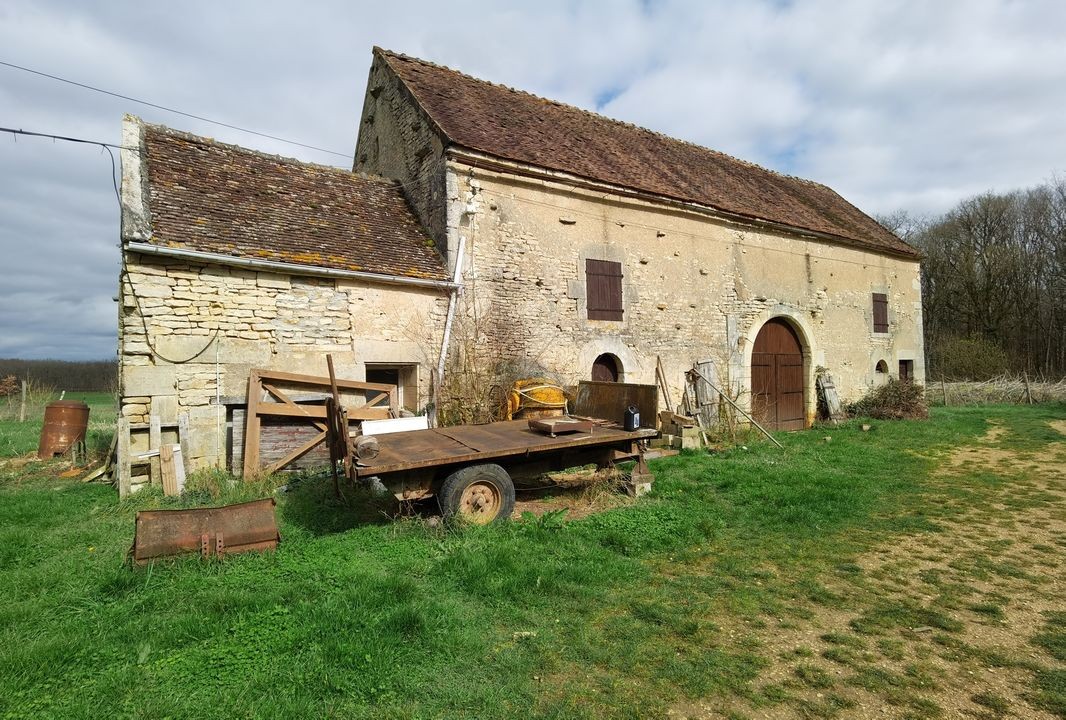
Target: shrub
967 358
896 400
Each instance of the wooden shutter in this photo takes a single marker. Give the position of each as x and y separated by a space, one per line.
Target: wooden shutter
603 289
880 313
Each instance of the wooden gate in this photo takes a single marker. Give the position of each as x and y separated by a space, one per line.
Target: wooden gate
777 377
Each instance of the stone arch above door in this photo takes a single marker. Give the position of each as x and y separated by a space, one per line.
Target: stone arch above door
797 371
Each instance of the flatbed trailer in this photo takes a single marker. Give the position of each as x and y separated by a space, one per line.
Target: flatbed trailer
471 468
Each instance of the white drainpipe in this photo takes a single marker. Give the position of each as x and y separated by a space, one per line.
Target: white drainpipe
452 302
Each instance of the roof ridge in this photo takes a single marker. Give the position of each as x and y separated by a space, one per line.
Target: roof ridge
204 140
598 116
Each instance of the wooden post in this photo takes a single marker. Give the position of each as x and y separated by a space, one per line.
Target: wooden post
660 375
22 405
434 381
1028 394
183 436
123 460
944 389
155 441
251 427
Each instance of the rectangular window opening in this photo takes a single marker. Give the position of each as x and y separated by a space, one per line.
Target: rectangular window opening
404 377
906 369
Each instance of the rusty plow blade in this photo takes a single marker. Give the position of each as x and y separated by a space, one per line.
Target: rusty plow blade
208 531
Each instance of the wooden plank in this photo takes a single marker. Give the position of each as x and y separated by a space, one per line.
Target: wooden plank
706 395
155 441
184 438
167 471
296 454
125 471
660 376
289 403
298 379
179 468
251 427
832 398
318 412
609 401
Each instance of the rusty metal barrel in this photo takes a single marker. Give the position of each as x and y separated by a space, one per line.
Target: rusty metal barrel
65 423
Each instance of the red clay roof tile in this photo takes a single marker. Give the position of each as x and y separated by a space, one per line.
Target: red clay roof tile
520 127
212 197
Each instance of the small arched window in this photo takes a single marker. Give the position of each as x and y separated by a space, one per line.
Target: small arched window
881 373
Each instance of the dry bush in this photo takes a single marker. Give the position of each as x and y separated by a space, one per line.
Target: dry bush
9 386
1005 389
38 395
896 400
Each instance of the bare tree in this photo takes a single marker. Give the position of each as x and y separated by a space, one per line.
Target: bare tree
994 269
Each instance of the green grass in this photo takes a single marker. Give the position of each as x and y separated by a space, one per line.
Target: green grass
617 615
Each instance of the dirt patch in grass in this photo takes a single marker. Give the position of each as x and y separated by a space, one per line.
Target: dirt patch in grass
939 624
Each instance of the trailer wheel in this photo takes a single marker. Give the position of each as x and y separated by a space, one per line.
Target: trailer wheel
480 494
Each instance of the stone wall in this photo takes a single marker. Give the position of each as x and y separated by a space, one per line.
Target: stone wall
209 325
696 287
396 141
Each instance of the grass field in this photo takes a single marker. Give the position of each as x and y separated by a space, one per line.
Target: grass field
915 570
18 438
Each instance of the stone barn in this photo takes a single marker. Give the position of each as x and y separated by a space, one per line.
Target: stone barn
593 246
565 243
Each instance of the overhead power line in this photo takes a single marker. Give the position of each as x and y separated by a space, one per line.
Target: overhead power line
103 146
172 110
14 131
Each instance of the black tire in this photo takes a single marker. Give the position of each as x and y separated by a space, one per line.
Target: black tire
480 494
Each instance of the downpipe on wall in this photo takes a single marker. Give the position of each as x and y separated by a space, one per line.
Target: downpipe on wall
452 303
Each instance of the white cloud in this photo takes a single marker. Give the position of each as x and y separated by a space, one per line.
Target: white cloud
895 105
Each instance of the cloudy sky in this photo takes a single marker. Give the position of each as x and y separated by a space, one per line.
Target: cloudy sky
896 105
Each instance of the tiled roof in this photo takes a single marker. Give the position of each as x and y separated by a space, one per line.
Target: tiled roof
516 126
212 197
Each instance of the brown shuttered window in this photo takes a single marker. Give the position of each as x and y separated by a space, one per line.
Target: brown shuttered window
880 312
603 284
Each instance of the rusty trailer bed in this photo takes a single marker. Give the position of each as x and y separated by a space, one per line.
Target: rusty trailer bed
462 444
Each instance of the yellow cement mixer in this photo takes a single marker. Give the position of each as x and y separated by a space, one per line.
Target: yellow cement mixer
535 398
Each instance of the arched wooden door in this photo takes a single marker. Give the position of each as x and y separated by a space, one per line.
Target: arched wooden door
605 368
777 377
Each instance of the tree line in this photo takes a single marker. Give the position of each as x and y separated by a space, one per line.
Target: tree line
993 283
74 376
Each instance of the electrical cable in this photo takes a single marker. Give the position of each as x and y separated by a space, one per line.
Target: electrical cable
19 131
148 337
172 110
